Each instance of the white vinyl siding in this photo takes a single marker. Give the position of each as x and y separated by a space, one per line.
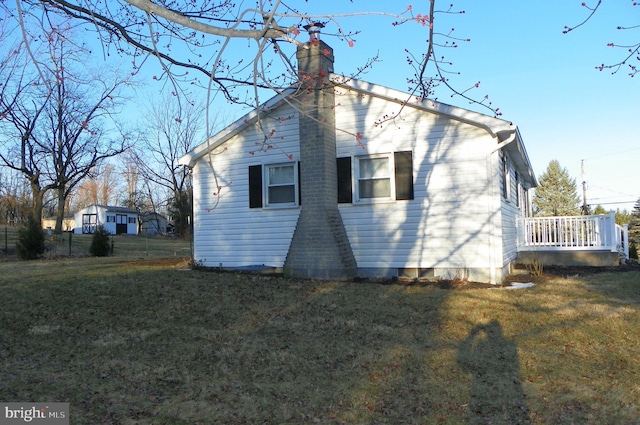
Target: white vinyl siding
511 209
227 232
450 222
455 217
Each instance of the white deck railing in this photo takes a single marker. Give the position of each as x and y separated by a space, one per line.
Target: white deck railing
586 232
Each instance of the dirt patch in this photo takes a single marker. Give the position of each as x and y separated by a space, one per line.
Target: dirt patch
552 272
166 262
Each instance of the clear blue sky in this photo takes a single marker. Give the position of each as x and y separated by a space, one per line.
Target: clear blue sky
543 81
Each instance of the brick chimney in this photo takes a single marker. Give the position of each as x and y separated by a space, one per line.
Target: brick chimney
320 247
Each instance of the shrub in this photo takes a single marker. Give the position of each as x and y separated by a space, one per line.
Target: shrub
633 251
30 243
100 246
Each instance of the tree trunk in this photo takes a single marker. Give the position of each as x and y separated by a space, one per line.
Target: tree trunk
38 200
60 209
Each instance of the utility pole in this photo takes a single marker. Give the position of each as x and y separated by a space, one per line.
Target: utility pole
585 207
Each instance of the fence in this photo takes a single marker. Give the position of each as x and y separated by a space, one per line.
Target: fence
587 232
74 245
63 245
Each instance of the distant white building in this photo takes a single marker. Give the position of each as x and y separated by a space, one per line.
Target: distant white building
117 220
153 224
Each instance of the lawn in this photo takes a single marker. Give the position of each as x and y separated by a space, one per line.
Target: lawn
72 245
149 341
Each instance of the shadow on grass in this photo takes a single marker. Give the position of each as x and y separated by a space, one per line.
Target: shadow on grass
492 360
145 343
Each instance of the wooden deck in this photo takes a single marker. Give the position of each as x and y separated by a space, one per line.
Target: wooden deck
593 240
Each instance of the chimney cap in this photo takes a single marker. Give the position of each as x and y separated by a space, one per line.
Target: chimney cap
313 29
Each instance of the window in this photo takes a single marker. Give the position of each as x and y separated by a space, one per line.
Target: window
281 184
374 177
506 176
132 220
273 185
518 189
388 176
111 219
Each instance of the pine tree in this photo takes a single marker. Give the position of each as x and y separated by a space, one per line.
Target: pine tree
31 240
634 224
557 193
100 242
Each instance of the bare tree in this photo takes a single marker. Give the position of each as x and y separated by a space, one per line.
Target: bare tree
132 197
99 189
58 114
630 58
15 199
171 132
193 39
23 104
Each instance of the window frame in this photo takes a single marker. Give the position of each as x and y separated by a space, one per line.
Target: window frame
266 186
391 197
506 177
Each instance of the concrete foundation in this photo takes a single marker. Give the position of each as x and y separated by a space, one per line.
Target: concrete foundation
569 258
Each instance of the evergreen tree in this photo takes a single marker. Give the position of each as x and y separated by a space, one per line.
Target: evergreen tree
100 242
600 210
634 224
622 217
31 238
557 193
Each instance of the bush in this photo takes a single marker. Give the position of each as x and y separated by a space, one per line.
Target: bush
633 251
100 245
30 243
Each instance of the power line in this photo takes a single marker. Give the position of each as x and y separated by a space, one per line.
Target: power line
613 203
611 154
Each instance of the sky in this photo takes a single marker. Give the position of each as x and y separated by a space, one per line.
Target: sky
542 80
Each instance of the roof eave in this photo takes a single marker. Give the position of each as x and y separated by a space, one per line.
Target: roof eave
494 126
191 157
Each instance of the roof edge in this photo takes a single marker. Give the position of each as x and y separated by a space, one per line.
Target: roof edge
191 157
496 127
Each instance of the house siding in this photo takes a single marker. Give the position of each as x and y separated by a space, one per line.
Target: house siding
456 225
227 233
510 211
448 225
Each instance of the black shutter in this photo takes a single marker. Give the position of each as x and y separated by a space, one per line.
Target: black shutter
299 186
344 181
255 186
404 175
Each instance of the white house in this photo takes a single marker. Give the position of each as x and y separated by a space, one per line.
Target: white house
117 220
320 183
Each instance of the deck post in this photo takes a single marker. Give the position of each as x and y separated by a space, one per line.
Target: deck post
613 234
625 240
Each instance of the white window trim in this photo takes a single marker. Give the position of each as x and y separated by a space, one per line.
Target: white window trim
265 186
392 180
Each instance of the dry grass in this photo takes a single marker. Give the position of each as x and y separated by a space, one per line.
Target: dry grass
148 342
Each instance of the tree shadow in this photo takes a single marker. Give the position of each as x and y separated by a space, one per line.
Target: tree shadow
496 395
